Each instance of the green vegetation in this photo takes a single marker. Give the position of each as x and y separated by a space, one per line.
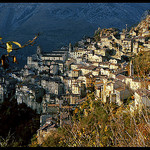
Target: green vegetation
141 64
95 124
99 32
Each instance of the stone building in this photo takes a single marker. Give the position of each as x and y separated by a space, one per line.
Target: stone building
127 45
31 95
52 85
112 91
142 98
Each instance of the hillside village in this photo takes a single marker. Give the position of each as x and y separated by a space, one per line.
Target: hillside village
54 83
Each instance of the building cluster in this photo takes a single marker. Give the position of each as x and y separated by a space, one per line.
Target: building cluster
60 80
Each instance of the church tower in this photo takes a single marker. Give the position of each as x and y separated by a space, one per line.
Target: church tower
39 51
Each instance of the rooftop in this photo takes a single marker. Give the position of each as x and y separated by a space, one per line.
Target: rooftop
143 92
120 77
75 70
51 55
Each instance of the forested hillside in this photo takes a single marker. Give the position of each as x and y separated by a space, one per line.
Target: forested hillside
97 125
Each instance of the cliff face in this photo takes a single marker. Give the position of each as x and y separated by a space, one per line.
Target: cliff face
61 23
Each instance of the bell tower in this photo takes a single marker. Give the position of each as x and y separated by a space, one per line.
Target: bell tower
39 51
